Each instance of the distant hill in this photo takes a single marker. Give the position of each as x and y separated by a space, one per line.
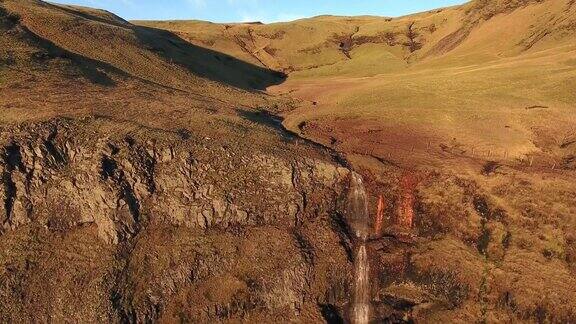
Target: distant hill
330 45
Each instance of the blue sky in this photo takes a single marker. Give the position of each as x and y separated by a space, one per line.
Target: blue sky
258 10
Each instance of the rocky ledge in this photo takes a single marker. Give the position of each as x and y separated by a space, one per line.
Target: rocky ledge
146 225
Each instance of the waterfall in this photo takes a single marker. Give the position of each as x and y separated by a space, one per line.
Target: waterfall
358 218
357 214
361 301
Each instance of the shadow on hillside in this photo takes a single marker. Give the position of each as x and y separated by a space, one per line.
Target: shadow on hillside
200 61
274 122
207 63
265 118
88 68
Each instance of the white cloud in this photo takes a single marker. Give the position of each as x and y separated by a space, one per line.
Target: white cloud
198 3
243 2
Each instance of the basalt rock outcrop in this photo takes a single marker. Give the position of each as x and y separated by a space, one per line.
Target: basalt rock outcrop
99 226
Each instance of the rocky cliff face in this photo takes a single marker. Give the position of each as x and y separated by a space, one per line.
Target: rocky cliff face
100 226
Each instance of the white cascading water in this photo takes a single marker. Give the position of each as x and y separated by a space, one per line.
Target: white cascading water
357 214
358 218
361 303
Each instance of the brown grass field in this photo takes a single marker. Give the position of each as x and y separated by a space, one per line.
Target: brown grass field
177 171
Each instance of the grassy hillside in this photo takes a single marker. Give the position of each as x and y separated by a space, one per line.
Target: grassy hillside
477 32
187 170
141 179
487 76
63 61
475 100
